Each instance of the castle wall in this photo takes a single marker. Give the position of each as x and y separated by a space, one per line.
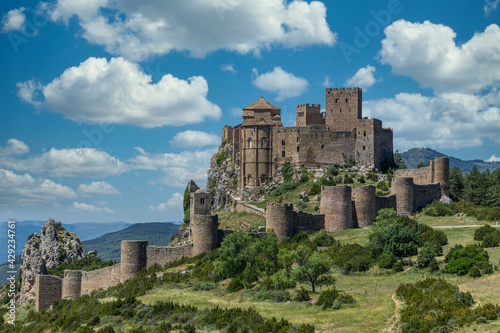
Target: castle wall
162 254
383 146
336 206
101 278
227 134
72 284
313 146
425 194
243 207
236 141
307 223
421 176
133 258
388 201
48 288
280 219
403 188
309 114
364 207
343 106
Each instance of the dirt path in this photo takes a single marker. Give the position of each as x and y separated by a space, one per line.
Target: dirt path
462 226
397 316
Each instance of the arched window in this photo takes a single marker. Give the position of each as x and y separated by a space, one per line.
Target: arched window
283 153
263 143
249 143
364 133
298 149
249 180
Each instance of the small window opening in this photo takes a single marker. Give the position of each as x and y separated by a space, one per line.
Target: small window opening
283 153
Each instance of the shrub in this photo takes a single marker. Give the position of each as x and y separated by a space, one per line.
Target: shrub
304 178
462 259
362 179
345 298
287 171
221 157
327 298
327 181
274 295
488 311
372 177
427 253
484 231
386 260
398 266
437 208
315 189
302 295
490 240
333 171
235 285
434 265
324 239
348 179
351 257
382 186
474 272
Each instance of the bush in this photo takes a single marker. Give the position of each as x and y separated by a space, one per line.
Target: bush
398 267
302 295
488 311
462 259
437 208
474 272
382 186
490 240
362 179
287 171
351 257
348 179
427 253
386 260
372 177
324 239
327 298
484 231
434 265
345 298
315 189
235 285
333 171
274 295
221 158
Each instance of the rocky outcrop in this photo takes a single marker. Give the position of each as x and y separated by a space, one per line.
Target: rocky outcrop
222 175
45 250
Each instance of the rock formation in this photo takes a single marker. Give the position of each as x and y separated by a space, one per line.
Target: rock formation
45 250
222 175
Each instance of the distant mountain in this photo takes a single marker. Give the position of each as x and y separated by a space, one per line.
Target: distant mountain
415 156
108 246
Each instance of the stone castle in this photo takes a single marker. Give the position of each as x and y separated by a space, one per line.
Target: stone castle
319 138
263 144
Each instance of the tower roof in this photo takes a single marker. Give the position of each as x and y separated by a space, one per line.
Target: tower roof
261 104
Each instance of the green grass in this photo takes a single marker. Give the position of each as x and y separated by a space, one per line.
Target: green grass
240 221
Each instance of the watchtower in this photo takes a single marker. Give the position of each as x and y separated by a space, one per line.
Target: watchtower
133 258
72 284
280 219
343 108
336 205
204 226
309 114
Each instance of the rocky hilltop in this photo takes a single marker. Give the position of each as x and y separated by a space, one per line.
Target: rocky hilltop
45 250
223 175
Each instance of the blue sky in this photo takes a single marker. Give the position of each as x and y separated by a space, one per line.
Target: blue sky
109 108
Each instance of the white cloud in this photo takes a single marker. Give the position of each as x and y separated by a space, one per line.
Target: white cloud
493 158
14 20
363 78
278 81
24 190
102 188
118 91
236 112
28 91
451 120
138 30
195 139
228 68
91 208
327 83
428 53
175 202
14 147
490 6
178 169
76 162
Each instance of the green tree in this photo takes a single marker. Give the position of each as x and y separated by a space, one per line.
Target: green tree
456 183
186 205
428 252
475 189
287 171
313 268
422 165
398 160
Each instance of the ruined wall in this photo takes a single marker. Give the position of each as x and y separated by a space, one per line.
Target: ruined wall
364 207
425 194
101 278
243 207
47 289
236 141
336 206
162 254
227 134
314 146
309 114
307 223
72 284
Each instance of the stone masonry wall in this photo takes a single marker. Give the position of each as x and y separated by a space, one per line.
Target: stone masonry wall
162 254
101 278
307 223
48 288
243 207
388 201
425 194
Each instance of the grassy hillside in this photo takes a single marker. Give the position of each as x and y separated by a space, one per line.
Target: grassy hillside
108 245
415 156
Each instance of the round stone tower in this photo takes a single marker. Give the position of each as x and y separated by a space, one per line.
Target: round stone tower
442 174
133 258
336 205
365 205
280 219
204 226
405 199
72 284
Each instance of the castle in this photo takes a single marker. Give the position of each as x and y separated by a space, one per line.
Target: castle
319 138
342 207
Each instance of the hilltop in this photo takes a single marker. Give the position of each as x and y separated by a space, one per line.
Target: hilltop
108 245
415 156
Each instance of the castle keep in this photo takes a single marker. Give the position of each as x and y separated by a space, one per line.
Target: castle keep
319 138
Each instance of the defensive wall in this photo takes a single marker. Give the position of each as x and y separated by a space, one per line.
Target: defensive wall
244 207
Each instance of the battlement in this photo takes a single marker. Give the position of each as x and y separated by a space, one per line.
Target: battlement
342 90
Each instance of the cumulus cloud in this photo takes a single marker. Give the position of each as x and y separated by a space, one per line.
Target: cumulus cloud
118 91
76 162
24 190
102 188
91 208
278 81
493 158
363 78
327 83
175 202
14 147
228 68
451 120
236 112
195 139
178 169
428 53
138 30
490 6
14 20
